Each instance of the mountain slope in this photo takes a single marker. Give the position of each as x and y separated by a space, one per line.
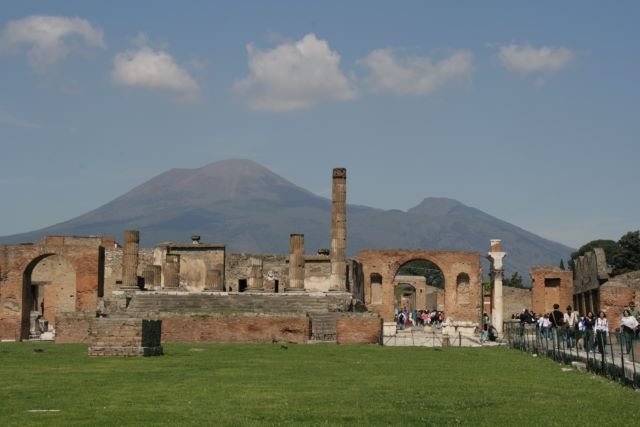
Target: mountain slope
251 209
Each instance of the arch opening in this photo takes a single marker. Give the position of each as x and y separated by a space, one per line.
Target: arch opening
49 288
428 281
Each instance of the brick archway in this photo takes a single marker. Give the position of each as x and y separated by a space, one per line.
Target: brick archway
386 263
86 257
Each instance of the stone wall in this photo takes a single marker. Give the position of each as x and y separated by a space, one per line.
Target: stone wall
515 299
235 328
590 271
351 328
74 327
113 267
317 273
616 294
275 271
551 285
358 329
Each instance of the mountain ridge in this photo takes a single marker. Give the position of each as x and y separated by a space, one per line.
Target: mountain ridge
251 209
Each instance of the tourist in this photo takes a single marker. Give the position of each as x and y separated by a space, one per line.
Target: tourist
635 313
525 318
557 319
545 326
602 331
570 323
485 327
628 324
401 321
589 324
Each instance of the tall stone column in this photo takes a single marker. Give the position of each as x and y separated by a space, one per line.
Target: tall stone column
172 271
338 230
255 282
495 257
130 259
296 262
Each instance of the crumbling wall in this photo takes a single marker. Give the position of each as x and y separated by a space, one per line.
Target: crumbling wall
275 271
113 267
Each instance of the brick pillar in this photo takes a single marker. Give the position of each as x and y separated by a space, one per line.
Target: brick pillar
338 230
255 281
495 257
130 259
296 262
172 271
213 281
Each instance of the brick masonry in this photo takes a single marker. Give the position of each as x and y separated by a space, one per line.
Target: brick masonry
551 285
462 302
351 328
358 329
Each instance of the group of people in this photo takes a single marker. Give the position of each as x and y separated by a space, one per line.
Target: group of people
584 332
407 318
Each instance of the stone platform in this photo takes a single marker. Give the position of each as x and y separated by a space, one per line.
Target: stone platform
125 336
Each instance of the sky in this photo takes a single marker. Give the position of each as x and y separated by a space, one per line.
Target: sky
525 110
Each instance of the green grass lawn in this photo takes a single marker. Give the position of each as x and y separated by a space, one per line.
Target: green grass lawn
200 384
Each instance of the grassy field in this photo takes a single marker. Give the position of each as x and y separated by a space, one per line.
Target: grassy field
303 385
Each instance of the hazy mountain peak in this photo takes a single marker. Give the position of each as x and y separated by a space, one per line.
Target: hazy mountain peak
435 206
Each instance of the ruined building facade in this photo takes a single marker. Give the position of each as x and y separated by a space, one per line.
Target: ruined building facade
202 293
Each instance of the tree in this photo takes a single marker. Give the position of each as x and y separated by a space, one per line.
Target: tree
561 264
628 257
515 281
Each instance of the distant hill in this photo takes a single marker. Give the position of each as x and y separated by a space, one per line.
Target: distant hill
251 209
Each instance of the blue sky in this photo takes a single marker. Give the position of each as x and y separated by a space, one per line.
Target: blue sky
525 110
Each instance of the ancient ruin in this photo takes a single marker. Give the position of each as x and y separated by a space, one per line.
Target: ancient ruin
127 300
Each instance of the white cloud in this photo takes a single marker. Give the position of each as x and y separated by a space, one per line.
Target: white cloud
155 70
526 59
294 76
414 75
8 119
49 39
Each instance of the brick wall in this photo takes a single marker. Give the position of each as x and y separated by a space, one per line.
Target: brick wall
235 328
358 329
74 327
551 285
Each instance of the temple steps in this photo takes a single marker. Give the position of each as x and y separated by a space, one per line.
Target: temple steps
183 302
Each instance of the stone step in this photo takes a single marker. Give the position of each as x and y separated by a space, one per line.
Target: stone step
151 302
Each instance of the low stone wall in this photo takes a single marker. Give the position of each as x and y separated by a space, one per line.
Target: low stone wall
74 327
358 329
235 328
351 328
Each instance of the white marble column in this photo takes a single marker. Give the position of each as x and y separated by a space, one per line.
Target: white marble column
495 257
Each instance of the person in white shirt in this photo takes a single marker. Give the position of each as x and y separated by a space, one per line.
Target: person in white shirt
602 330
628 325
570 323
